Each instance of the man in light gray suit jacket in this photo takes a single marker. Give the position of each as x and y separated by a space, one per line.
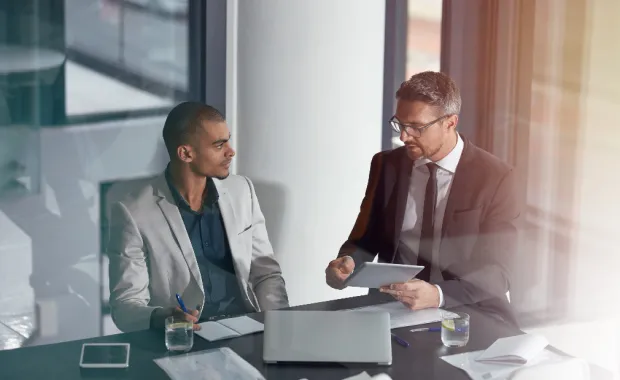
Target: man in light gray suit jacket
195 230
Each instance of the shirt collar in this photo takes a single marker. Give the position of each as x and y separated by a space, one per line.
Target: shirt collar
211 197
449 162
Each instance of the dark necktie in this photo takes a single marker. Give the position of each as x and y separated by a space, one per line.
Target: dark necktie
425 253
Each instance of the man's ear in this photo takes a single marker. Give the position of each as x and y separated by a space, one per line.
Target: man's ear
452 122
185 153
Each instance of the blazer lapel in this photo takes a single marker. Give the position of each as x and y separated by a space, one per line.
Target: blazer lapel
175 222
400 201
228 216
459 184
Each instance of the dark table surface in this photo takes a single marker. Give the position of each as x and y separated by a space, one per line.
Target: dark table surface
419 361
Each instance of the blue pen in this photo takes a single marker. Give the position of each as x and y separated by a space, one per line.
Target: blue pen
180 301
400 340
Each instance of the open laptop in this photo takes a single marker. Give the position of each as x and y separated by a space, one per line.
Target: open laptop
327 336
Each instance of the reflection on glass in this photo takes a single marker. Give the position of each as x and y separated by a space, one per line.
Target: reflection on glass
423 36
83 87
127 49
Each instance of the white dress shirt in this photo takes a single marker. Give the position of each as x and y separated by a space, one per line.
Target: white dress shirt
412 222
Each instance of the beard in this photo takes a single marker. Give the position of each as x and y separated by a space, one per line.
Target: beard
422 152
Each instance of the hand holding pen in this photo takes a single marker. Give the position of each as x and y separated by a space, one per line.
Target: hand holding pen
187 314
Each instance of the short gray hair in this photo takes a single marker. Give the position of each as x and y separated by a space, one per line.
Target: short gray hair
434 88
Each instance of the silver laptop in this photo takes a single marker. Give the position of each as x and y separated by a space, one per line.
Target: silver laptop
327 336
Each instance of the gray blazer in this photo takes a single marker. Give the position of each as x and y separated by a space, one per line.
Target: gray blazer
152 259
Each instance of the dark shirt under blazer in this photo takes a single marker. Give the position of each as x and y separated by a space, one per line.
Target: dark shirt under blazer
207 234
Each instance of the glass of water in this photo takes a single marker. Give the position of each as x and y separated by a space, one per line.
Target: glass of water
455 329
179 334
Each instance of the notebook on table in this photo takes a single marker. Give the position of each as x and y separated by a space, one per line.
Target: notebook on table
229 328
515 350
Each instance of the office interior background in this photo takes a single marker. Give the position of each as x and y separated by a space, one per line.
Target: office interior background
307 88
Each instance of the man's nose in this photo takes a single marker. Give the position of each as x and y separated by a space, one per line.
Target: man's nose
404 137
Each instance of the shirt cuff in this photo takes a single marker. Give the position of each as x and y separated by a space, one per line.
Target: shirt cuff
440 295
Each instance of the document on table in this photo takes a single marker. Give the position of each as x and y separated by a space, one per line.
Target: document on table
217 364
365 376
518 349
229 328
401 316
484 371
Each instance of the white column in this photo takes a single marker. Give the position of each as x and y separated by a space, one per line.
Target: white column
304 102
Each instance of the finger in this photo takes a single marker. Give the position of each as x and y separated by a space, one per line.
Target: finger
194 313
332 280
409 285
336 281
347 265
178 312
407 301
399 286
336 275
197 327
398 293
334 263
186 316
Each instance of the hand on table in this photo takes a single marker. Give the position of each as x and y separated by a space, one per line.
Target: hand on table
415 294
338 271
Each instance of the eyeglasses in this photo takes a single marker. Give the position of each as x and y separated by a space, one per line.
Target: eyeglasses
410 129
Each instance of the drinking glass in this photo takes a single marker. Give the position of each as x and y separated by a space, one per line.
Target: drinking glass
179 334
455 329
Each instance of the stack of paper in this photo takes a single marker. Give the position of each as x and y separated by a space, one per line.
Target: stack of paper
229 328
401 316
486 371
504 357
514 350
220 363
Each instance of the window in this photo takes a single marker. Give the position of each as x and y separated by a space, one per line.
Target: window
126 49
423 36
422 47
85 86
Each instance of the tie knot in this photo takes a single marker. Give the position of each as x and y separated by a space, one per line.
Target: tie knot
432 168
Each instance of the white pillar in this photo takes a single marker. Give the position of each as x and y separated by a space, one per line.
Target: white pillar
304 102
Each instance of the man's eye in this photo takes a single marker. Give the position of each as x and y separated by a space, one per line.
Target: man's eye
220 146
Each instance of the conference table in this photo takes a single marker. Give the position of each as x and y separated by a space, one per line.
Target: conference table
419 361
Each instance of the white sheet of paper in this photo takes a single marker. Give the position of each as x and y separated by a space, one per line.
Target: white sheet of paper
485 371
401 316
360 376
514 349
365 376
217 364
243 325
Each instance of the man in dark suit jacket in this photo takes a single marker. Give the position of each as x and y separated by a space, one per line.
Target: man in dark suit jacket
440 202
